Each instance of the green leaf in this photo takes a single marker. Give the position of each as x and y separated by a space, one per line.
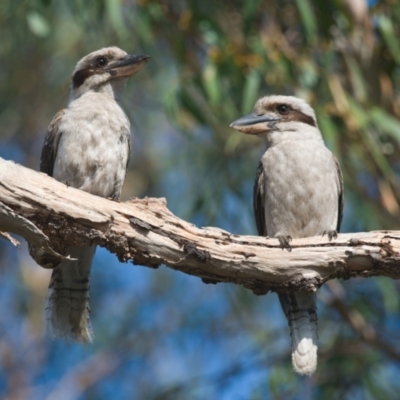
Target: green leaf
308 74
389 293
211 84
37 24
250 91
372 141
114 11
143 27
329 130
388 33
357 79
385 122
308 18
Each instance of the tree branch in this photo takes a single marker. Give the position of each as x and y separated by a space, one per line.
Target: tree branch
353 317
51 215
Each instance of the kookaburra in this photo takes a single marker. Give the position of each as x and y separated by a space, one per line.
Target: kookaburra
298 193
87 146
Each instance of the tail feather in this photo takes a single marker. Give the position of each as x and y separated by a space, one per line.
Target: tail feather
68 308
301 312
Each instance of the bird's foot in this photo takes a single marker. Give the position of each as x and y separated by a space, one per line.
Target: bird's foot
114 199
332 233
284 241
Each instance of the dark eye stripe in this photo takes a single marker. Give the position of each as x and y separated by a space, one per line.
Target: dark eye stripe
293 115
80 76
298 116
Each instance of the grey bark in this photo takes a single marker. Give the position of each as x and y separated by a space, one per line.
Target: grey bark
145 232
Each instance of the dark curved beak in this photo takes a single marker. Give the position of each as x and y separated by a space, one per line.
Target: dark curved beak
254 124
127 66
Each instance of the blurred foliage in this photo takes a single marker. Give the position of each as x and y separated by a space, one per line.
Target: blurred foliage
210 62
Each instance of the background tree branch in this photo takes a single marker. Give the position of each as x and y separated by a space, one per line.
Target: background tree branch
51 216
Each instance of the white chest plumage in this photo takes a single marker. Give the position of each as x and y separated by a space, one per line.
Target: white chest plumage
301 189
298 193
94 146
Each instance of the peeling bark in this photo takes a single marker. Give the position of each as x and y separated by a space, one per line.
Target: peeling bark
51 216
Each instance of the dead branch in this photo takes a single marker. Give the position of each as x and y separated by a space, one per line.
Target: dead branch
51 215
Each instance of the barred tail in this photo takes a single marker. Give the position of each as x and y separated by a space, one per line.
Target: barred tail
68 308
301 312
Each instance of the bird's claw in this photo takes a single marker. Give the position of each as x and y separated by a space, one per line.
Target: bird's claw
332 233
284 241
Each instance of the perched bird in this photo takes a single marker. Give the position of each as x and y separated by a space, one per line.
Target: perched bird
87 146
298 193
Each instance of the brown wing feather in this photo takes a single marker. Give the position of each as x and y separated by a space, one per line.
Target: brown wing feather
129 151
50 146
258 201
341 190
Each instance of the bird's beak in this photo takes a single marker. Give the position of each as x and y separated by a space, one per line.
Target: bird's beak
254 124
127 66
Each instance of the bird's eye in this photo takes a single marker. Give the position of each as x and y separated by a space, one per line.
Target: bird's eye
283 109
101 62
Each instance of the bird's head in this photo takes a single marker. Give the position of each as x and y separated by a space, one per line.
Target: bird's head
280 118
105 70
